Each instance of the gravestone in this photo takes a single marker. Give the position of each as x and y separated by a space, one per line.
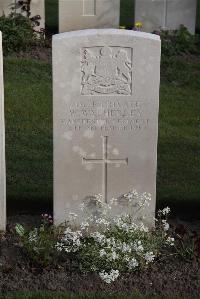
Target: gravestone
2 148
166 14
106 98
37 8
5 7
85 14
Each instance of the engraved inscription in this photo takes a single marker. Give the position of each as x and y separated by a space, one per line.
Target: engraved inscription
106 116
106 70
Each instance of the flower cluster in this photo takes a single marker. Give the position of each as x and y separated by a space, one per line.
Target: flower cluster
109 277
113 238
112 245
39 242
70 241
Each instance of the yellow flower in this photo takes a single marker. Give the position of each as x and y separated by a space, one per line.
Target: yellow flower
138 25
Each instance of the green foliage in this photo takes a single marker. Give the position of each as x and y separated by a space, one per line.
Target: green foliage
39 243
180 71
187 243
106 245
127 13
18 34
51 15
177 42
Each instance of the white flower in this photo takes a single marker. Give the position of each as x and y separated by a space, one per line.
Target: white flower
113 201
146 196
102 252
110 241
113 256
99 238
72 216
149 257
137 245
99 198
170 241
129 196
109 277
165 225
59 246
143 228
82 206
164 212
102 221
33 236
71 240
84 225
118 222
132 263
125 248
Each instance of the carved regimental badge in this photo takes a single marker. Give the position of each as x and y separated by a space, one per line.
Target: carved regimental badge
106 70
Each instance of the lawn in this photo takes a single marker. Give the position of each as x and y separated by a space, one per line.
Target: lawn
51 15
28 101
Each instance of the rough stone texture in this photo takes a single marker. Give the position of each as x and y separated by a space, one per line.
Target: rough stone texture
86 14
156 14
106 97
2 148
37 8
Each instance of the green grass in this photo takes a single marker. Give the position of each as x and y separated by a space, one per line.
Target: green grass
179 143
127 11
51 15
57 296
198 17
28 102
28 99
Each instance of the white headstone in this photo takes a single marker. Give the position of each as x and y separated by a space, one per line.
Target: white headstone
5 7
85 14
2 148
166 14
37 8
106 98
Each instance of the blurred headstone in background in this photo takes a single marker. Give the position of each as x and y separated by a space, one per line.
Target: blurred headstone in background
166 14
86 14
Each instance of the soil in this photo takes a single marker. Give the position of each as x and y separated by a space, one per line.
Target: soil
167 277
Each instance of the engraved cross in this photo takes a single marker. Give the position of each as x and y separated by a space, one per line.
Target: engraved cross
105 161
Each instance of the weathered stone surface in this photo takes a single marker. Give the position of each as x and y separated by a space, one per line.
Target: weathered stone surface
169 14
106 98
85 14
2 148
37 8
